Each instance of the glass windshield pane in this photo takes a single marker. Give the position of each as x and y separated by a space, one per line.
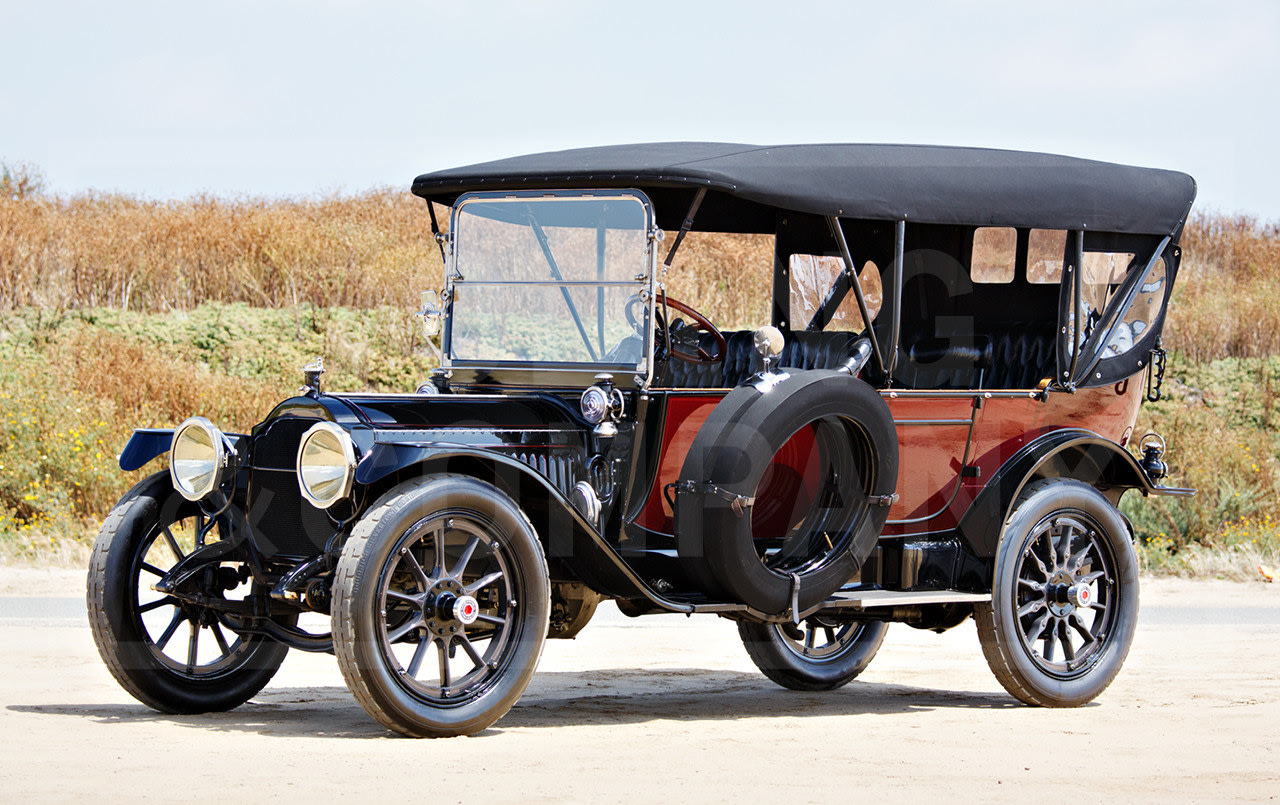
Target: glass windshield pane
550 280
534 323
590 239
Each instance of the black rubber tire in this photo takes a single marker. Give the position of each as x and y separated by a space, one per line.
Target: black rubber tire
358 628
781 658
1022 670
733 449
126 646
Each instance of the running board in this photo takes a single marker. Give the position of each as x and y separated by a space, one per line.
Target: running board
871 599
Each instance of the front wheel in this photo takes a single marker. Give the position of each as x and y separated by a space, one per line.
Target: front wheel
171 655
1064 605
820 654
441 606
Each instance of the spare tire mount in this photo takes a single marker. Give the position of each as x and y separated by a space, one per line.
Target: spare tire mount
784 492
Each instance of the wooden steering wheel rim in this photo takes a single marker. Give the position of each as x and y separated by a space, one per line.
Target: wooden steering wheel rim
702 356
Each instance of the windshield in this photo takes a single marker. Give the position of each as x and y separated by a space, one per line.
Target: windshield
554 279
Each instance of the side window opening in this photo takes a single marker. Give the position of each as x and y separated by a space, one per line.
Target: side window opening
726 276
1045 249
1103 273
812 279
971 318
994 256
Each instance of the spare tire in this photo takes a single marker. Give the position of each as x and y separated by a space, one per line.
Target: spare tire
794 480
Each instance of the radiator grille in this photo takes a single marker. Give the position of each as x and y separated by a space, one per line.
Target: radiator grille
277 448
284 524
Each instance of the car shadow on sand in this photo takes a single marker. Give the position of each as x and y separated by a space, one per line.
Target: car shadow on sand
560 699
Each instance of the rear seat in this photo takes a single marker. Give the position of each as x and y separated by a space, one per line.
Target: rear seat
803 350
1012 355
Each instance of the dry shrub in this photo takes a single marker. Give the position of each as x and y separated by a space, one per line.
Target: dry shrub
151 389
121 252
1227 303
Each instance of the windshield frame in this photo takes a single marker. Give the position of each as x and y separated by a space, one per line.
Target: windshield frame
556 373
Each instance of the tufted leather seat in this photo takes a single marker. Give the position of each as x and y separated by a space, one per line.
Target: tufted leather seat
1023 354
803 350
1012 355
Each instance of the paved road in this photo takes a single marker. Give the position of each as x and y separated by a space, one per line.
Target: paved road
670 709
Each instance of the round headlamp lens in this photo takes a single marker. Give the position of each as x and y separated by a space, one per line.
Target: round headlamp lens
326 464
196 458
594 404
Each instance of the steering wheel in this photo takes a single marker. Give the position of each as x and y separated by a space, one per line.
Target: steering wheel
684 343
634 309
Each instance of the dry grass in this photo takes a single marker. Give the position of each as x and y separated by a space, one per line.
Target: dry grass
114 251
374 249
1227 302
106 322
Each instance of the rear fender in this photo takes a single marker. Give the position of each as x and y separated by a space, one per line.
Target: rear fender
1072 453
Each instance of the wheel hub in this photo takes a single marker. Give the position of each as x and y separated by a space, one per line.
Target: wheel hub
465 610
447 609
1080 595
1058 594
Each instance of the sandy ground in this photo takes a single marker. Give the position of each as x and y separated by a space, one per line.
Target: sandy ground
670 709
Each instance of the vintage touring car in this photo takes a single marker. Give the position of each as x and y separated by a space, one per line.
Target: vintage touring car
936 422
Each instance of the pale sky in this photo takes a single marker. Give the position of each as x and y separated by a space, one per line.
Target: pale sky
169 99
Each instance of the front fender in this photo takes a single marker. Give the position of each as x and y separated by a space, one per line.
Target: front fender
566 535
148 444
143 446
1069 453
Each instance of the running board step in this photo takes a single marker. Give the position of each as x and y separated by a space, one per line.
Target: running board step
871 599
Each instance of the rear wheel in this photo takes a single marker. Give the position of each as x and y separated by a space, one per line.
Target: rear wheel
819 654
441 604
171 655
1064 606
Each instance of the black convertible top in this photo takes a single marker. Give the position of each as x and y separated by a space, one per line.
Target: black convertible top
924 183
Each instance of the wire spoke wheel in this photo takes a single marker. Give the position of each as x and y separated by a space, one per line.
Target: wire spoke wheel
821 653
183 637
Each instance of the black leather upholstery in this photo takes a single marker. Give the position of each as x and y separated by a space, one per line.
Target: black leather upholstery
803 350
1014 355
1022 355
